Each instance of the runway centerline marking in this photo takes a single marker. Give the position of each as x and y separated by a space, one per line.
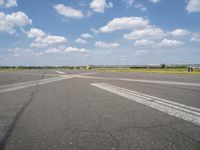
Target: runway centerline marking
182 111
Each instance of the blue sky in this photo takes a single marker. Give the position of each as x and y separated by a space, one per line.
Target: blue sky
101 32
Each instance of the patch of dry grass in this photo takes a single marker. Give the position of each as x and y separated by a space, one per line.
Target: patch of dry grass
162 71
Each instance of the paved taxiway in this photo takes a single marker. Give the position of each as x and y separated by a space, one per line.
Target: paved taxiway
48 109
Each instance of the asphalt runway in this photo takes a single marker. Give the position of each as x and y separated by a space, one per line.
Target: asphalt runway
88 110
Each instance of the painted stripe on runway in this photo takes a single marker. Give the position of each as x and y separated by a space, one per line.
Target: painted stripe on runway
182 111
60 72
31 84
28 82
39 74
17 86
145 81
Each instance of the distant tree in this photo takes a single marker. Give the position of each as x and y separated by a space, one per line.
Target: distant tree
163 66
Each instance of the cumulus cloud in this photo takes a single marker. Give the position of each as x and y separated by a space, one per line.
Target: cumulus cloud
129 2
106 45
86 35
170 43
64 50
163 43
42 39
140 52
81 41
144 42
35 33
180 32
193 6
53 51
51 39
147 33
94 31
137 5
195 37
83 38
8 3
10 22
100 5
125 23
75 49
140 7
21 52
143 33
68 11
154 1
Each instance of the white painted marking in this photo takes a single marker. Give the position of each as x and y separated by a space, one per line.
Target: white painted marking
145 81
32 83
83 74
162 82
31 73
153 98
60 72
182 111
17 86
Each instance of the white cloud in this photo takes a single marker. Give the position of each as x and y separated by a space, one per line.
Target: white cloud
20 52
154 1
148 33
94 31
83 38
144 42
100 5
89 13
10 22
106 45
48 40
129 2
180 32
86 35
74 49
1 2
53 51
125 23
64 50
195 37
81 41
51 39
42 39
137 5
140 7
35 33
140 52
170 43
68 11
193 6
8 3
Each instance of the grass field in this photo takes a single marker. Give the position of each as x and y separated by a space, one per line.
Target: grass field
8 70
162 71
180 71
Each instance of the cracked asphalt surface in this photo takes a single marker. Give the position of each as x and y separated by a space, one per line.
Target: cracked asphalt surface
71 114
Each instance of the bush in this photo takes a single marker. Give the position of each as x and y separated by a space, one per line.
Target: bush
163 66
